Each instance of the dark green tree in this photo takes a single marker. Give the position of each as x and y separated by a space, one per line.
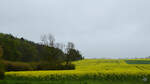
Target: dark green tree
1 65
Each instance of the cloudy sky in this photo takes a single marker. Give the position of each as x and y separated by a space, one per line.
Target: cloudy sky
99 28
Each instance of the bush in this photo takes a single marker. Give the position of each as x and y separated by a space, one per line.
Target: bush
68 67
21 66
48 66
17 66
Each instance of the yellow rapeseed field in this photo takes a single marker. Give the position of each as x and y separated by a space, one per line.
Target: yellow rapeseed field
101 69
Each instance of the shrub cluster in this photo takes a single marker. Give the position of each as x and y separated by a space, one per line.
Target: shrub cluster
48 66
21 66
17 66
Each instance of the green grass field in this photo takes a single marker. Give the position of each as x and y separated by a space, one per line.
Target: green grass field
89 71
71 82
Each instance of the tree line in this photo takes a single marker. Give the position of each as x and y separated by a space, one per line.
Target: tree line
22 54
70 53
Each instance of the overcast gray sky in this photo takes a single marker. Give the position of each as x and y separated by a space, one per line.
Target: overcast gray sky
99 28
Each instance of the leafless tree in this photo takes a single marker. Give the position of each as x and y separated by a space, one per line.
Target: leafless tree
70 45
48 40
44 39
51 39
61 46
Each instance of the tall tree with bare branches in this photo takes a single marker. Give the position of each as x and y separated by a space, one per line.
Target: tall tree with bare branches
51 40
44 39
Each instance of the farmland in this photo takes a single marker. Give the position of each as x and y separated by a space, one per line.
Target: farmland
92 69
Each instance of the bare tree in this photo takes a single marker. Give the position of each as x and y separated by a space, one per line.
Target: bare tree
69 48
70 45
51 39
48 40
61 46
44 39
